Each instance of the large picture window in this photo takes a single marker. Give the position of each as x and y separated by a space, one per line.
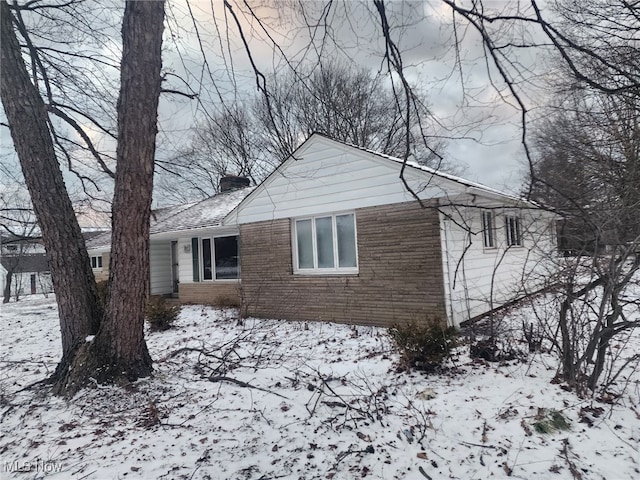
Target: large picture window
326 244
218 258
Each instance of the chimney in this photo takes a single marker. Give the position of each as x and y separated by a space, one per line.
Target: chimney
229 183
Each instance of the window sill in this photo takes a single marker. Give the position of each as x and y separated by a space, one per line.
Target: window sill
328 273
220 280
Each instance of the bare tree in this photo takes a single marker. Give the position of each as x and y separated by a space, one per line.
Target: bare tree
589 171
73 280
252 136
119 349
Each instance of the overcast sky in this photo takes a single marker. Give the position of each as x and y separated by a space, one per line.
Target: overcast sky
471 105
478 118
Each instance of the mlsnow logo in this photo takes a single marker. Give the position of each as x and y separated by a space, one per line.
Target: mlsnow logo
37 466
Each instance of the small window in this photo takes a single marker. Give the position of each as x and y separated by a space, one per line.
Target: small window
326 244
488 230
96 262
11 248
513 230
207 265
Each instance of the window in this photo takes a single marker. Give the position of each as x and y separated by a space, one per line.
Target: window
326 244
219 258
226 249
513 230
488 230
96 262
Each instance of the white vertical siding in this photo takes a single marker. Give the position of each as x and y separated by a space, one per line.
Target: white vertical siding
160 266
185 260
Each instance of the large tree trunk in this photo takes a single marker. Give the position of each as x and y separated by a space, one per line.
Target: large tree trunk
119 352
73 280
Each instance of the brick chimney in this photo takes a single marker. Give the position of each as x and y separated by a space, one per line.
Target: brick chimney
229 183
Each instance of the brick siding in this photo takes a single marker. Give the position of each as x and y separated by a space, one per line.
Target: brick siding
400 275
210 293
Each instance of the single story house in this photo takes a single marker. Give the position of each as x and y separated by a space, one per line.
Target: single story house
334 234
28 274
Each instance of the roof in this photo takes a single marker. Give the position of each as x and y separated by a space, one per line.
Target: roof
207 213
26 263
203 214
11 238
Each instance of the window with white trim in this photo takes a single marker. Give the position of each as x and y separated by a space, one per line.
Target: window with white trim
217 260
326 244
96 262
488 229
513 230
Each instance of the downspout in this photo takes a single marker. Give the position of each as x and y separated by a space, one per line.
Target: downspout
447 287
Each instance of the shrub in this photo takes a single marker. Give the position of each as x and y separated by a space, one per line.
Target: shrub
161 314
226 301
423 346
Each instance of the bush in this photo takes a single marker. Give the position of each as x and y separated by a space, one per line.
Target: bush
226 301
161 314
423 346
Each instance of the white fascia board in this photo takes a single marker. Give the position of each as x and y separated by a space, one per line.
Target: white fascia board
214 231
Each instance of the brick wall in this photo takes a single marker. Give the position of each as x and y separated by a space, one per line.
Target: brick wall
210 293
400 271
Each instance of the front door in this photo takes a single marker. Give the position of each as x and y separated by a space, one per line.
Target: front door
175 277
33 284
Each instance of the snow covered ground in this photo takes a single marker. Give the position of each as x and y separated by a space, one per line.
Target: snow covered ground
264 399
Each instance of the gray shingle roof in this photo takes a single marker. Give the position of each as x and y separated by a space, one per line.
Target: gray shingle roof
206 213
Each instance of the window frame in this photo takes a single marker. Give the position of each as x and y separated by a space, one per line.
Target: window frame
488 233
98 262
315 270
212 249
517 223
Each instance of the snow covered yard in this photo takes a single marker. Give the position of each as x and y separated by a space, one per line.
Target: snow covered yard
263 399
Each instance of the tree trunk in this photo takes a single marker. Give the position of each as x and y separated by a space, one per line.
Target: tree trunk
71 273
6 295
119 352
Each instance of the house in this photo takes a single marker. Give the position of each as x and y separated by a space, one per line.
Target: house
24 265
24 269
25 274
334 234
193 255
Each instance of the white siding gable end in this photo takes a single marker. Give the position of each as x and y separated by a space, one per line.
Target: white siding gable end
327 176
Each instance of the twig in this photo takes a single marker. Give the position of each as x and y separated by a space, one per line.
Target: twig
243 384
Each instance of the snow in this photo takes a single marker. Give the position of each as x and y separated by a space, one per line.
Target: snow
209 212
319 400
